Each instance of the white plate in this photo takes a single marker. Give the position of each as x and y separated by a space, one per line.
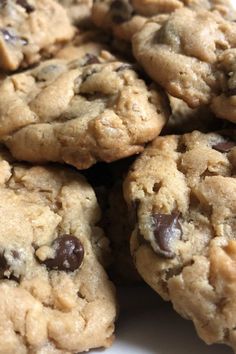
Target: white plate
147 325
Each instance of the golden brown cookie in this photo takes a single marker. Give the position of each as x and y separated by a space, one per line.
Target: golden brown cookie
188 54
55 296
126 17
62 111
29 30
184 241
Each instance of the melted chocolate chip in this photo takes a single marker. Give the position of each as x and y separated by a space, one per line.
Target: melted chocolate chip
8 37
91 59
230 92
123 67
4 267
225 146
24 3
121 11
166 229
3 262
69 254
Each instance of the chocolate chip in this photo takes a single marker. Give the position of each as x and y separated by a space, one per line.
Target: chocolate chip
225 146
123 67
80 295
166 229
5 267
3 262
121 11
69 254
8 37
24 3
230 92
91 59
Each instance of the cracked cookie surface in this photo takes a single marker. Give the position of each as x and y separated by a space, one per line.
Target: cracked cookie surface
126 17
185 53
65 112
55 295
183 244
30 29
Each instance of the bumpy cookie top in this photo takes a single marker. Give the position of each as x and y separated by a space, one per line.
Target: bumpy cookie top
183 53
62 111
224 104
55 295
30 28
184 244
126 17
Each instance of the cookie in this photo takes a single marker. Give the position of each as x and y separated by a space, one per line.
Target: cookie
126 17
61 111
184 244
184 119
55 294
30 30
183 51
79 11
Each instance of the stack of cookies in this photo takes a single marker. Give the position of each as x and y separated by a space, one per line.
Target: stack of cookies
117 165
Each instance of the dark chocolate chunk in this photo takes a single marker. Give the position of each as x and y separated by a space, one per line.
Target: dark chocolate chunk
123 67
121 11
166 229
5 267
69 254
91 59
8 37
24 3
224 146
3 262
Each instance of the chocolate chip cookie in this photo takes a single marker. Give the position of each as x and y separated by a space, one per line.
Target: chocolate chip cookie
55 294
65 112
184 241
30 29
184 53
79 11
126 17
